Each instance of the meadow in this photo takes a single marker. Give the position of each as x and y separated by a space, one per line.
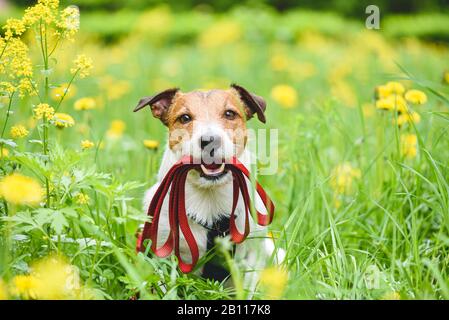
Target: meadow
361 192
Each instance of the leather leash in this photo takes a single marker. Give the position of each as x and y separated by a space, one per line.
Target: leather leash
178 220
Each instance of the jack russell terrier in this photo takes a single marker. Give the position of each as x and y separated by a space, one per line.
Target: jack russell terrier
211 126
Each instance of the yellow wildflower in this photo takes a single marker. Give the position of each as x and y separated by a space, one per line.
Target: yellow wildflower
56 279
116 129
3 291
393 102
273 280
63 120
415 96
4 153
44 110
408 117
18 131
446 77
220 33
43 10
151 144
24 286
285 95
83 66
279 62
85 104
391 295
82 198
13 28
408 145
19 189
87 144
70 21
63 90
343 176
382 91
395 87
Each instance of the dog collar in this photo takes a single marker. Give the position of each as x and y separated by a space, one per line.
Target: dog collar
175 180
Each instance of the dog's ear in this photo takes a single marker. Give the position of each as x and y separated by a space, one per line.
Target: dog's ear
253 103
159 103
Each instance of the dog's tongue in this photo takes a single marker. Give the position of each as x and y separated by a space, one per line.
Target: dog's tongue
213 169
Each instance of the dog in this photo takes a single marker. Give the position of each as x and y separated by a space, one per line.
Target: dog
211 126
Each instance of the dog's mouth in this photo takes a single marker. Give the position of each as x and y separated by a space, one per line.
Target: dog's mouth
213 171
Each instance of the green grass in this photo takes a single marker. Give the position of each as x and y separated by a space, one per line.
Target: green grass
390 233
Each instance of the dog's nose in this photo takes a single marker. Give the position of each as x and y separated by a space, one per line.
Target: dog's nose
210 141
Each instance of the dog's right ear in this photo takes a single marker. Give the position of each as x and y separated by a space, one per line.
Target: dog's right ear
159 103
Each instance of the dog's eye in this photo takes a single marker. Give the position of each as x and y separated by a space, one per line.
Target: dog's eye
185 118
230 115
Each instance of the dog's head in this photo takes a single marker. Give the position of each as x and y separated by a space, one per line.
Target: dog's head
209 125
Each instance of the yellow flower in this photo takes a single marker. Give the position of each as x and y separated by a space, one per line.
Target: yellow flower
408 117
3 291
44 110
279 62
56 279
382 91
446 77
342 177
285 95
273 280
19 189
395 87
14 28
85 104
415 96
220 33
82 198
116 129
64 90
391 295
4 153
151 144
87 144
24 286
393 102
70 21
408 145
83 66
63 120
18 131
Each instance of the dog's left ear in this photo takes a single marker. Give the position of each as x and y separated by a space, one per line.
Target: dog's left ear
158 103
253 103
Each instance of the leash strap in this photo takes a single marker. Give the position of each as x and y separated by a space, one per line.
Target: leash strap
174 181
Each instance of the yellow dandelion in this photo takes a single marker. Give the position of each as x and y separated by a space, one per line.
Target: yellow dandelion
18 131
3 291
415 96
391 295
63 120
43 110
151 144
393 102
342 177
116 129
64 90
86 103
82 65
408 144
395 87
19 189
279 62
87 144
382 92
446 77
273 281
4 153
82 198
24 286
408 117
285 95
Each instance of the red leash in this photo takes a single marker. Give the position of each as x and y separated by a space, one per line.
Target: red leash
176 178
